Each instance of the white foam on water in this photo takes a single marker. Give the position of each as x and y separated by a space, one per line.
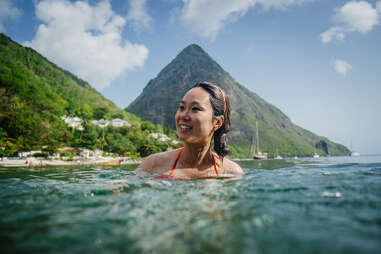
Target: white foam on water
327 194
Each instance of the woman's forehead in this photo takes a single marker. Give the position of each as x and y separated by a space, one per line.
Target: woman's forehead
198 95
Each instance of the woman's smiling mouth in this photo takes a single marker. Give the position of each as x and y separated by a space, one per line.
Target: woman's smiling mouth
185 127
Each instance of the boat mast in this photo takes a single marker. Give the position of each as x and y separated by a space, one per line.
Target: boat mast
252 147
257 136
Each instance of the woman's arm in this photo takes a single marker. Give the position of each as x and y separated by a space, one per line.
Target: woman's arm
232 167
148 164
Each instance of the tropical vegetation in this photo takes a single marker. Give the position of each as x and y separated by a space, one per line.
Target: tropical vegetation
35 94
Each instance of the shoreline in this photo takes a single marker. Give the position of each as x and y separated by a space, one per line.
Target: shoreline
37 162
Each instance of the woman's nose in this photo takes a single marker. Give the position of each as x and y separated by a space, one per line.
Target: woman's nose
184 115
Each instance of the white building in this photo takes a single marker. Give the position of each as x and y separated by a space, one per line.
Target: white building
119 123
159 136
27 154
114 123
76 122
73 122
101 123
86 153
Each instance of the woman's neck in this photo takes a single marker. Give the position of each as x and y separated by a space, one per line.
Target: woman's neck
196 155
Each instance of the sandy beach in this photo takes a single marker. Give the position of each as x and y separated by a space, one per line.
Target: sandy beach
37 162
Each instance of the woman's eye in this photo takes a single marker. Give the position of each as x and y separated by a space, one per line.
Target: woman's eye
181 107
195 109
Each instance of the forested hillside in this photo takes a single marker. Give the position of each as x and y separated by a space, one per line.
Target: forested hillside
35 94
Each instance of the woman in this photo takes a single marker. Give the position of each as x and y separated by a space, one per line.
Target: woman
203 114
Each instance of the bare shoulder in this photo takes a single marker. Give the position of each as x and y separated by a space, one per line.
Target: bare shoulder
232 168
155 163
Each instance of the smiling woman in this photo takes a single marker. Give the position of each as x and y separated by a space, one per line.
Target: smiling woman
203 115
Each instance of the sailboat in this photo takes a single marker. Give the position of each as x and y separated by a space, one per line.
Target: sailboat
258 155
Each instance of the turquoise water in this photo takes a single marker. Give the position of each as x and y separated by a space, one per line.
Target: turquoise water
326 205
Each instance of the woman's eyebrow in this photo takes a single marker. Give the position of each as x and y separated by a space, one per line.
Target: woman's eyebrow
196 103
193 103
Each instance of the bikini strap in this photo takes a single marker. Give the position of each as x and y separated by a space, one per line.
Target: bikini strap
174 164
178 156
214 162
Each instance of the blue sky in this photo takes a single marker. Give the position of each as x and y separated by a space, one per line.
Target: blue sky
316 60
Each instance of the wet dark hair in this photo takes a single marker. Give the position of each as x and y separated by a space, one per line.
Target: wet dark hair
221 107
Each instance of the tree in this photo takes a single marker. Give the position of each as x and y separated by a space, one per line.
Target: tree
85 112
100 113
7 147
148 149
119 114
90 137
148 126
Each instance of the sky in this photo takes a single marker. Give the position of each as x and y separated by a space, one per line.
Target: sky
316 60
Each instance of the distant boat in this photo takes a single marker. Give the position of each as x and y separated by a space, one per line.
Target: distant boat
121 162
353 152
295 157
257 154
260 156
316 155
109 163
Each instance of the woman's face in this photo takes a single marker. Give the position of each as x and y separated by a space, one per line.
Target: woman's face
194 117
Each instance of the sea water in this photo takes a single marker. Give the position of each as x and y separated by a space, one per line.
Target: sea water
325 205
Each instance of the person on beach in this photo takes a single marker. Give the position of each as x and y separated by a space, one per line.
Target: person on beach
203 115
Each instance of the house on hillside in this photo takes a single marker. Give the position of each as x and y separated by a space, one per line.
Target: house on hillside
101 123
119 123
163 138
73 122
159 136
27 154
114 123
86 153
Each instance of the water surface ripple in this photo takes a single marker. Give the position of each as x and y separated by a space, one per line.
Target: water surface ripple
329 205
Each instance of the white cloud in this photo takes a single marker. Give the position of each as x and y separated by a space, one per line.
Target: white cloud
334 32
86 40
280 4
208 17
138 14
7 11
352 17
342 67
378 6
357 16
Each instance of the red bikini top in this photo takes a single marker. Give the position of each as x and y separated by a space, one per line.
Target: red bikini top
175 163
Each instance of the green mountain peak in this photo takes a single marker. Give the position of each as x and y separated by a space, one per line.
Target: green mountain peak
160 98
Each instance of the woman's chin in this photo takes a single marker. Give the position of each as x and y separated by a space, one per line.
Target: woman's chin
184 138
184 134
192 140
189 137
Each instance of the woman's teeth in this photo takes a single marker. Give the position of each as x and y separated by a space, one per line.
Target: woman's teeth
185 127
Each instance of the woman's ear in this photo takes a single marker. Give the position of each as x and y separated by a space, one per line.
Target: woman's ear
219 122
